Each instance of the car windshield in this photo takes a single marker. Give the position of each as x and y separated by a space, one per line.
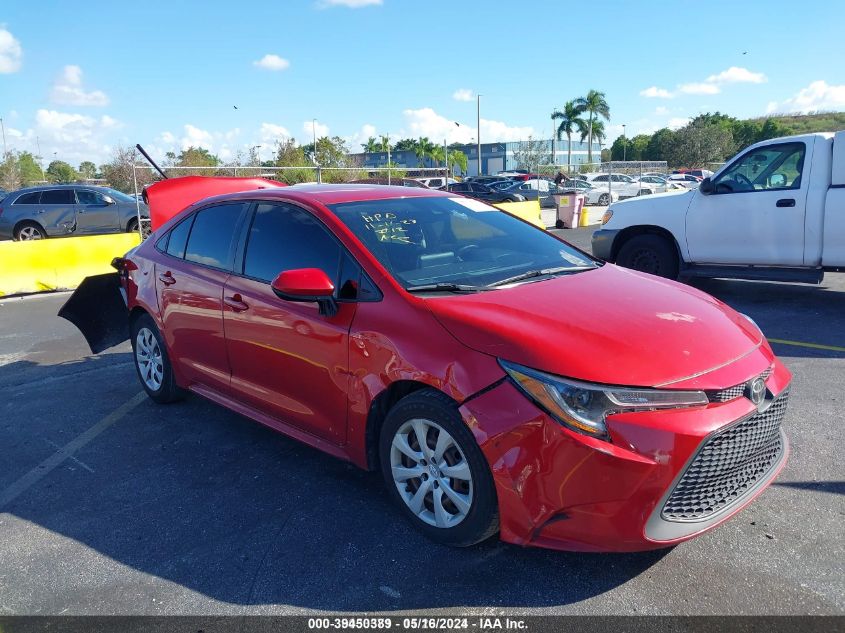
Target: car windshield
425 241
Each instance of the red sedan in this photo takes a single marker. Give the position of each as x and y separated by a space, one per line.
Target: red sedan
501 380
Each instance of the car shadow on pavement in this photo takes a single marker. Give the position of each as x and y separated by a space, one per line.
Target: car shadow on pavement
195 495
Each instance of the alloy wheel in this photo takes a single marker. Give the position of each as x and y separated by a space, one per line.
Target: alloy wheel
29 233
431 473
149 358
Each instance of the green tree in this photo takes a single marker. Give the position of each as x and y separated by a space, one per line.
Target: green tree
423 150
457 157
659 144
438 155
595 105
60 172
570 122
289 154
197 157
119 172
598 135
699 143
371 146
405 145
384 143
87 170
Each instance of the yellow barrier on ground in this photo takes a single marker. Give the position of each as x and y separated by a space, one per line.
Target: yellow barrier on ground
60 263
528 211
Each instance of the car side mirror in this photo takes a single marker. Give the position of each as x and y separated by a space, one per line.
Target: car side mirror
707 187
108 199
306 285
777 181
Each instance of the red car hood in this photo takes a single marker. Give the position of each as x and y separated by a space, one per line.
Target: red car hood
610 325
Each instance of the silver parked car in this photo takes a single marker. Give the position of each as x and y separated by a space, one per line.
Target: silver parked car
62 210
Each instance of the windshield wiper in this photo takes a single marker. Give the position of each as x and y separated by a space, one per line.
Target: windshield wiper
447 287
540 273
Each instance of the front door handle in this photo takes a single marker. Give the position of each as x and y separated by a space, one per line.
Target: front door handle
167 279
786 202
236 302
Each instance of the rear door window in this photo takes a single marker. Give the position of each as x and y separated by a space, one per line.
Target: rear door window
58 196
29 198
177 238
212 236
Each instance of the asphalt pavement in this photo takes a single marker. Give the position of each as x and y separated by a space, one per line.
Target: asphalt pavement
110 504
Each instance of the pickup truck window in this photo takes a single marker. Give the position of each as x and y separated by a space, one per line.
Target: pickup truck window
763 169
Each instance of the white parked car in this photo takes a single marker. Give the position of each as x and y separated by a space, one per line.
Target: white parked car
624 185
435 182
593 195
773 212
685 180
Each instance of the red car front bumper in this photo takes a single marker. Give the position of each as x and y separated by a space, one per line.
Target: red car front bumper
563 490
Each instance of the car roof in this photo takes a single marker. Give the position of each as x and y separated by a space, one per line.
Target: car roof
334 194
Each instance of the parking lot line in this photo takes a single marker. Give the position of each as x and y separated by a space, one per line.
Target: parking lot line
831 348
65 452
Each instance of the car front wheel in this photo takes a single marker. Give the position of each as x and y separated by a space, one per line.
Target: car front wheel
604 199
436 472
651 254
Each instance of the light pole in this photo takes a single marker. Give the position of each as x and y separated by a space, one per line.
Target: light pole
40 158
2 127
478 123
624 144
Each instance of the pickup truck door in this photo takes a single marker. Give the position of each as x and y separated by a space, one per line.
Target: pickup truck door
755 213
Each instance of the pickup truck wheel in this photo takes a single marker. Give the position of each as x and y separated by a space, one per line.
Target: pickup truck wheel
651 254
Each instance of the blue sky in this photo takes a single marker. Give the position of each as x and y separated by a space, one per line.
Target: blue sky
83 78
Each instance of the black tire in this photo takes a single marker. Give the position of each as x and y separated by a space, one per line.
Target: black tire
132 226
167 391
651 254
24 229
559 224
482 519
604 200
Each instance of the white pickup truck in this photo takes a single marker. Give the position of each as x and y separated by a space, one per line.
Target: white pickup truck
776 211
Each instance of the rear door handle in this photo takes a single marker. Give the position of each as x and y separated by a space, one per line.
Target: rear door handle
786 202
236 302
167 279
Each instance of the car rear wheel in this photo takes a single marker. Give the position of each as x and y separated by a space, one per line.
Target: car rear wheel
651 254
29 231
436 472
604 199
152 363
132 227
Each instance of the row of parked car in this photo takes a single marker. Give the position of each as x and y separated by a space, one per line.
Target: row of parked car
36 213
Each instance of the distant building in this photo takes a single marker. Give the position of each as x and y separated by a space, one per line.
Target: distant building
495 157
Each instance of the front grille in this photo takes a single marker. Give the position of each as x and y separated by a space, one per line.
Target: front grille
723 395
728 465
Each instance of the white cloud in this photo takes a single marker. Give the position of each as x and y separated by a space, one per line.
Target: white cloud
355 140
310 128
426 122
69 136
11 52
699 89
270 133
817 97
661 110
272 62
350 4
656 93
736 75
677 122
463 94
68 90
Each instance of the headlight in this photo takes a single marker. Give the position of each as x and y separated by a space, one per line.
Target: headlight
606 217
583 407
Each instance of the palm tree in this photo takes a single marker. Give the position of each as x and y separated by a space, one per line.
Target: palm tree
438 154
457 157
423 150
384 143
599 133
596 105
371 146
570 120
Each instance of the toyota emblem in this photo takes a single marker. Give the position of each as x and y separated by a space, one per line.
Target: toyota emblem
757 391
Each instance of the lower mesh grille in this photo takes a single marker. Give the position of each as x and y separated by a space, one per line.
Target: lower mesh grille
728 465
